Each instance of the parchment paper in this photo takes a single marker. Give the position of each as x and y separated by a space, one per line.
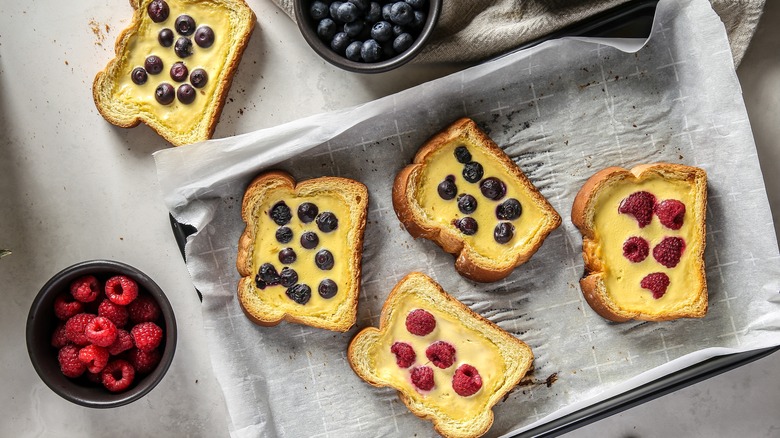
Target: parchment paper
562 111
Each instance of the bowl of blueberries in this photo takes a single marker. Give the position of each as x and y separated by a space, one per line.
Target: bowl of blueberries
367 36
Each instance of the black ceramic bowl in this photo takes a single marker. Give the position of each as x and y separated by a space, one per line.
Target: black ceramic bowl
308 28
41 323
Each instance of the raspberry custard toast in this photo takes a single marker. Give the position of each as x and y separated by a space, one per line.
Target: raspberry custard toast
300 253
464 193
174 65
643 242
449 365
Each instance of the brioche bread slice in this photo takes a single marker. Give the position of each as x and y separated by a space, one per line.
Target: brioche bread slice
125 91
643 242
433 350
461 168
300 254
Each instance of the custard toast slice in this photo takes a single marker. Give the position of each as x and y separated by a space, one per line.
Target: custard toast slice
448 364
300 253
643 242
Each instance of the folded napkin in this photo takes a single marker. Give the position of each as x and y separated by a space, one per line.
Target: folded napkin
474 30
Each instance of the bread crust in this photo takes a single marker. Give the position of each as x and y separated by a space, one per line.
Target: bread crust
517 354
467 262
105 80
356 197
582 216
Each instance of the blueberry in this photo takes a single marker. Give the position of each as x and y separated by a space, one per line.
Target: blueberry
153 64
328 288
185 94
280 213
401 13
284 234
354 29
158 11
324 260
318 10
198 78
398 30
492 188
382 31
288 277
504 232
307 212
139 76
473 171
402 42
327 222
374 12
353 51
447 189
362 5
371 51
416 4
347 12
309 240
467 225
164 93
204 36
165 37
179 71
462 154
326 29
340 42
268 275
300 293
185 25
467 204
334 8
509 209
386 11
418 21
183 47
287 256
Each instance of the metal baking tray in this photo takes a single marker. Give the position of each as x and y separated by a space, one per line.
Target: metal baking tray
633 19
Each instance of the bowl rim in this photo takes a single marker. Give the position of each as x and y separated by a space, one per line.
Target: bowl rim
313 40
99 266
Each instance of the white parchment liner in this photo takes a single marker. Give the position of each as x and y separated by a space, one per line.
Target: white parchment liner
562 111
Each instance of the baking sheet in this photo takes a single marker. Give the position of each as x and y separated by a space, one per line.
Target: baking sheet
562 110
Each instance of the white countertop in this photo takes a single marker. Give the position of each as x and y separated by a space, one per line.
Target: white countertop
75 188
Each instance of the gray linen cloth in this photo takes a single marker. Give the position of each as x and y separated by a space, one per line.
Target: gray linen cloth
474 30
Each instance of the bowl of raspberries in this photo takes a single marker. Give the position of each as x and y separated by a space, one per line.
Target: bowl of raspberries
101 334
367 36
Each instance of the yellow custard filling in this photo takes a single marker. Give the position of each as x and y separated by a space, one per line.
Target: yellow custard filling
471 348
267 248
622 277
443 163
143 43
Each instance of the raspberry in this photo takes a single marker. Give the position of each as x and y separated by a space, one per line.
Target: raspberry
143 309
121 289
669 251
422 378
466 380
640 205
671 213
118 375
122 343
404 354
65 306
75 328
94 358
70 364
100 331
144 362
420 322
636 249
114 312
147 336
59 338
441 354
657 282
85 289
